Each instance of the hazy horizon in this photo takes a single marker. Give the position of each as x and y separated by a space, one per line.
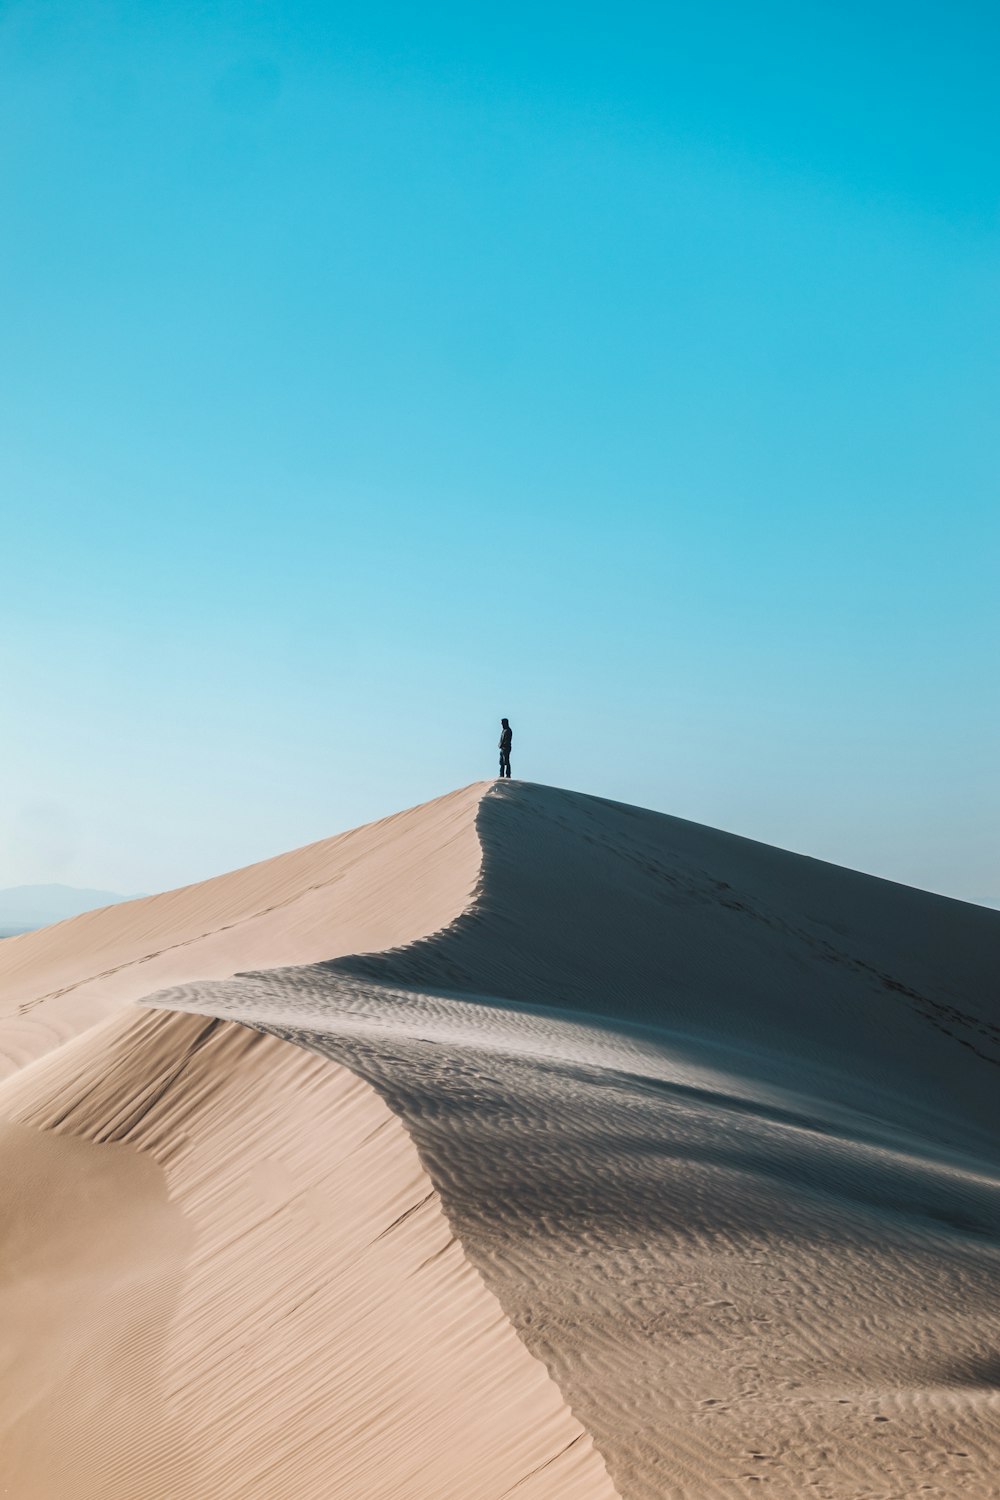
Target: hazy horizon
371 376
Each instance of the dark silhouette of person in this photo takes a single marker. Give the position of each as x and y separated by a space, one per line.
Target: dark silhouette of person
506 738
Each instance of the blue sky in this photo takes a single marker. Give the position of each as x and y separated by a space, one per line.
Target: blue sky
371 373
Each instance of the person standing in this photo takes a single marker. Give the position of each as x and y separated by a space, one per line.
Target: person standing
506 738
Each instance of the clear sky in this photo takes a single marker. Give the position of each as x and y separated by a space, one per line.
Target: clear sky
372 371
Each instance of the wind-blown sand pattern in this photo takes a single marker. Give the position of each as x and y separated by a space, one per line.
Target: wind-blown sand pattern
260 1295
715 1123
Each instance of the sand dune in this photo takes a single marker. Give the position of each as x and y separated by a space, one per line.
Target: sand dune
716 1124
747 1208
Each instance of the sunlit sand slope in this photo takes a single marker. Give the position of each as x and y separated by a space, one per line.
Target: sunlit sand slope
226 1274
377 886
718 1125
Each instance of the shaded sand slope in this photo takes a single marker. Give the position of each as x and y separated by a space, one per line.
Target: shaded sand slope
717 1124
884 995
225 1274
314 903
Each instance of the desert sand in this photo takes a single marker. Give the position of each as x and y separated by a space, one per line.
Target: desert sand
525 1142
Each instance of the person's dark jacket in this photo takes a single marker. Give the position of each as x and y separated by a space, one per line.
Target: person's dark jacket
506 739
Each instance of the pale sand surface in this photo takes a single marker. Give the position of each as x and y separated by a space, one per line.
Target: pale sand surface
226 1274
751 1218
716 1124
314 903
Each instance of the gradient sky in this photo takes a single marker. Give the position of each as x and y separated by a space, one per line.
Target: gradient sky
372 371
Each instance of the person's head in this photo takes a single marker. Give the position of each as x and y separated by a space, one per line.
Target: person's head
504 724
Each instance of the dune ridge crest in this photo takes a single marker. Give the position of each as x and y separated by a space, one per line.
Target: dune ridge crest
310 904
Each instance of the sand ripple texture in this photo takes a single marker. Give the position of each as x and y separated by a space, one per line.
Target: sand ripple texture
226 1274
717 1125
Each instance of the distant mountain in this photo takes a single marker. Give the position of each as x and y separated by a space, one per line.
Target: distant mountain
25 907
